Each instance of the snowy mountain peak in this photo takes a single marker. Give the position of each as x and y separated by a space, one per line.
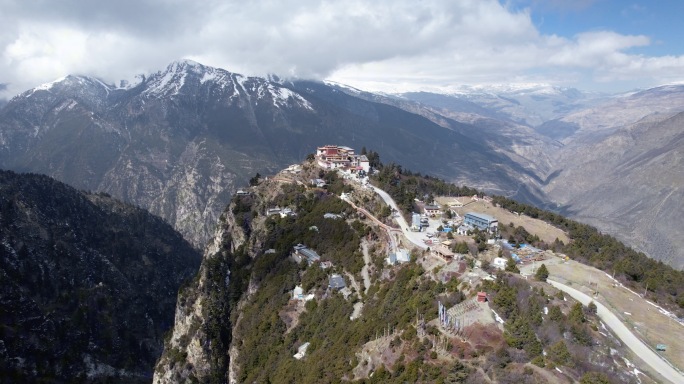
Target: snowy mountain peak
70 82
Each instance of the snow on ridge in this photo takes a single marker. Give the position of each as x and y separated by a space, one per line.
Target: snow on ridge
48 86
208 76
170 81
343 86
281 96
241 80
45 86
80 79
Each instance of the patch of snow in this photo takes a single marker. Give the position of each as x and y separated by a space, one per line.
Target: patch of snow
171 81
241 80
46 86
68 106
105 86
343 86
281 97
208 76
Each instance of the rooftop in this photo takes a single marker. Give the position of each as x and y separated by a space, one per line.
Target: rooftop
481 216
336 282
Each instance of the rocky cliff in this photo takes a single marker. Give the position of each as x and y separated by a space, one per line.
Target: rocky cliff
89 284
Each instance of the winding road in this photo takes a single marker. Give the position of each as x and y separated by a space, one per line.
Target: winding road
639 348
413 237
623 333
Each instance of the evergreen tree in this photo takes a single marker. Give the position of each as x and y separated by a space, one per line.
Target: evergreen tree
559 354
576 314
511 267
542 273
555 314
594 378
255 180
591 307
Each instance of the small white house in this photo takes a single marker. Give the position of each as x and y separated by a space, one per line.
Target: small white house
301 351
298 294
500 263
403 256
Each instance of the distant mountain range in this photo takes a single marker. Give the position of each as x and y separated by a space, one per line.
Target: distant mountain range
180 141
616 162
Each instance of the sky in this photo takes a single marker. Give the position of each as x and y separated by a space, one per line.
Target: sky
380 45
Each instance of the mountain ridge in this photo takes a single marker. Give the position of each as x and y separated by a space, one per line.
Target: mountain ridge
179 142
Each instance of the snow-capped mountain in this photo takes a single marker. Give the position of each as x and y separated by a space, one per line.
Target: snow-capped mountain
181 140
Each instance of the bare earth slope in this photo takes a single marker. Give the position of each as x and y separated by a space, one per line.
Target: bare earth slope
628 183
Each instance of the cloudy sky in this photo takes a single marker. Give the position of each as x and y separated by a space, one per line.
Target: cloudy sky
609 45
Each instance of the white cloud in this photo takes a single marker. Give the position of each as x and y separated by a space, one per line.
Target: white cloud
365 43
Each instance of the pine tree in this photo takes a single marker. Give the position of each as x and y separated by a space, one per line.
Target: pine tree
559 354
511 267
542 273
576 314
592 307
594 378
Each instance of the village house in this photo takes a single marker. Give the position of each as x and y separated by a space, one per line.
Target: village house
432 210
298 294
318 183
294 168
499 262
273 211
336 282
443 252
301 252
481 221
285 212
333 216
301 351
401 256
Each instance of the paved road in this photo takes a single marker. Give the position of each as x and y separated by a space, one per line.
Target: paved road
414 237
637 346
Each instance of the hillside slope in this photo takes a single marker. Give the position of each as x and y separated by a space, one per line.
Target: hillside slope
242 320
628 183
88 284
